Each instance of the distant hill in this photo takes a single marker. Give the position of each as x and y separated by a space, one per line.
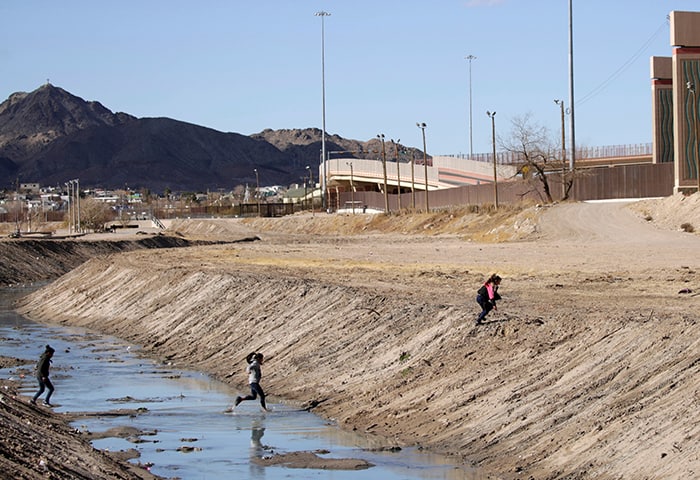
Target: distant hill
50 136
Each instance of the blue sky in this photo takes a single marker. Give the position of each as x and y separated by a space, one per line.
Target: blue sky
243 66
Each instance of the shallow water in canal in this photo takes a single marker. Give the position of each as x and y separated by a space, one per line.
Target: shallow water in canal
98 373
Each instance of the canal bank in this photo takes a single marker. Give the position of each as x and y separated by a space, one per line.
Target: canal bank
175 419
582 372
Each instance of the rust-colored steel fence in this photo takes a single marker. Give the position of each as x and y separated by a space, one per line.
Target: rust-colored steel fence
624 181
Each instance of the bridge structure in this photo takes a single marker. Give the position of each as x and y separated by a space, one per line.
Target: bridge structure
675 99
345 174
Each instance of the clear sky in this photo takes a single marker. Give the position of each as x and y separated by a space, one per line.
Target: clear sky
243 66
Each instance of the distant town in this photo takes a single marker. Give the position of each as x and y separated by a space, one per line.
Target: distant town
32 208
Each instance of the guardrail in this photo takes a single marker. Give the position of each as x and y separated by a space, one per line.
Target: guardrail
582 153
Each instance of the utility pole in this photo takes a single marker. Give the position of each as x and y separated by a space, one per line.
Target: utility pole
324 182
413 181
386 192
563 148
352 187
77 203
398 171
18 210
471 143
422 126
313 188
492 115
257 188
572 132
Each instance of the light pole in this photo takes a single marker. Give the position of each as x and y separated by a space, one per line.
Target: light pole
71 193
323 16
313 188
422 126
691 91
471 149
352 188
305 203
386 192
73 206
492 115
257 188
77 202
398 171
572 129
413 181
18 210
70 206
563 148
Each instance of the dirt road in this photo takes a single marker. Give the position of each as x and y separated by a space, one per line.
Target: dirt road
588 370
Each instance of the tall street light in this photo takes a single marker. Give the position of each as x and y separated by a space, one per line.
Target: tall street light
471 149
696 133
323 15
257 188
352 187
18 210
386 192
492 115
563 148
413 181
313 188
77 203
572 129
68 185
422 126
305 203
73 206
398 171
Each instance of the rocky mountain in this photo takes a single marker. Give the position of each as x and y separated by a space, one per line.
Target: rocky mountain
29 121
50 136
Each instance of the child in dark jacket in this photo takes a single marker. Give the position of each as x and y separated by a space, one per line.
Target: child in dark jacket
486 297
42 375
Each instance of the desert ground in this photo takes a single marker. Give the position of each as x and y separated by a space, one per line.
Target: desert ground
587 370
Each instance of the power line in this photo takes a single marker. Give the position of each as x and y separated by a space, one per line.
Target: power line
624 66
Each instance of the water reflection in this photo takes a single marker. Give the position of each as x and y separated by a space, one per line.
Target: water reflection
192 437
257 449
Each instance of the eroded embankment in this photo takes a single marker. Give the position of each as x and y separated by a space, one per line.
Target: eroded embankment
40 444
35 260
542 394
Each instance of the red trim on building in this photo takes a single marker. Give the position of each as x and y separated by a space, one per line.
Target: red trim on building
662 81
686 51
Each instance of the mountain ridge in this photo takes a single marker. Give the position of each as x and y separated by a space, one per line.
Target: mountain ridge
49 136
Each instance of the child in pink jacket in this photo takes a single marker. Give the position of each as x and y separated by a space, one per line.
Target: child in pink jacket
487 295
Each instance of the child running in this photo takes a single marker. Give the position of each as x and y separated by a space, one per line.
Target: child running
254 360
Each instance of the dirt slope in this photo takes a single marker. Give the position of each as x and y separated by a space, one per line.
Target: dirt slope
588 370
39 444
28 260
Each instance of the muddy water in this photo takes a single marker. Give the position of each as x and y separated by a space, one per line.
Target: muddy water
189 434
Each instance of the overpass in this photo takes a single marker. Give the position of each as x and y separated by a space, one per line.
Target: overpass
449 171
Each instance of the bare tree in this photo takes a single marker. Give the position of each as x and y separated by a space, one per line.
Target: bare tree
94 214
537 154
